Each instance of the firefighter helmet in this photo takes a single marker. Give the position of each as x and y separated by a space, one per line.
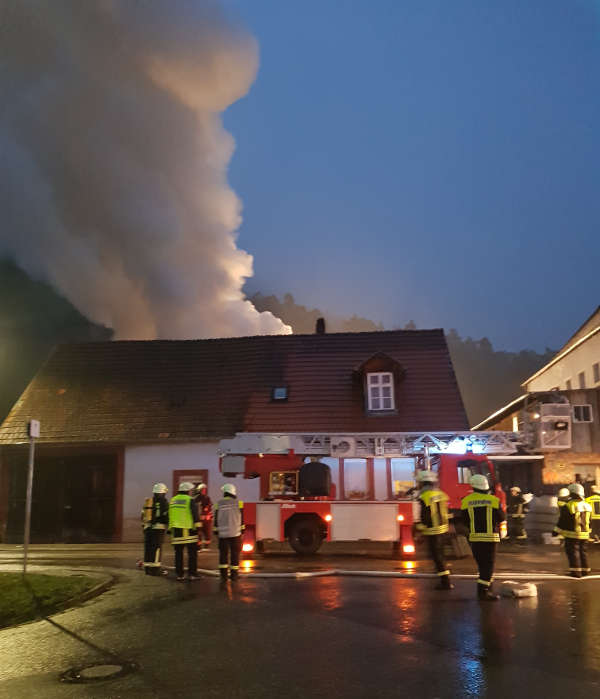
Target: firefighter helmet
427 477
160 488
515 489
479 482
200 486
576 489
185 487
229 488
563 493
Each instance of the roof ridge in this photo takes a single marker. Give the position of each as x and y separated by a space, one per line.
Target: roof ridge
281 337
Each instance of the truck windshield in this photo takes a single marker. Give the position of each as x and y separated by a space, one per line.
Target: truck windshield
470 467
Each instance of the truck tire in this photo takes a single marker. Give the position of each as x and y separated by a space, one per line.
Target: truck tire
305 536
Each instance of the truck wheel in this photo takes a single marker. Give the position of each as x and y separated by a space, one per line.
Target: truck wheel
305 536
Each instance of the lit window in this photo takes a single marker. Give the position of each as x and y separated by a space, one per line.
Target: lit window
280 393
515 424
596 370
582 413
581 377
355 479
380 388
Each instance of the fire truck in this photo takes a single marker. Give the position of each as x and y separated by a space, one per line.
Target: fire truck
302 504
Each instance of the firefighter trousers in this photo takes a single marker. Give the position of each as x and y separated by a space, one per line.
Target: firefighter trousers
435 543
484 553
192 550
205 531
229 546
516 528
153 539
576 550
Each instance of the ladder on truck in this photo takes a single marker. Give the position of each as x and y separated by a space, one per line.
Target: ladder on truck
369 444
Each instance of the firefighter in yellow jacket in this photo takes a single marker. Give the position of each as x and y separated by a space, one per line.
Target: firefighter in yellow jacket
574 525
594 502
183 524
482 515
433 524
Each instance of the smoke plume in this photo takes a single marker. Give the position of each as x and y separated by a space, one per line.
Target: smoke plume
113 182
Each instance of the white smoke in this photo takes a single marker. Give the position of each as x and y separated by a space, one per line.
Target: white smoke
113 180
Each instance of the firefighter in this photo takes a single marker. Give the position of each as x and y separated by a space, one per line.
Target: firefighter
183 523
516 509
434 524
482 514
155 519
594 502
204 505
229 524
574 525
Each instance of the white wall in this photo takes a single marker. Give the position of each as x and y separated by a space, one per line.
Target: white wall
569 367
147 465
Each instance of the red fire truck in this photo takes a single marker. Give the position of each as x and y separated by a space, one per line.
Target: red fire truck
300 503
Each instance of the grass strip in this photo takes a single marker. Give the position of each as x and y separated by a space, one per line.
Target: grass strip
38 595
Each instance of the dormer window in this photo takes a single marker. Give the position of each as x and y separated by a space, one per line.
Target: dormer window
279 393
380 390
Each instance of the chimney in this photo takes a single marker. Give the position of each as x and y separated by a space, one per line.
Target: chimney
320 328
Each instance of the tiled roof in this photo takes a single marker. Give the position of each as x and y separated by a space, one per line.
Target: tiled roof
161 391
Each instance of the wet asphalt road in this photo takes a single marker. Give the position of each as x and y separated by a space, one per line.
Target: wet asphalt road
319 637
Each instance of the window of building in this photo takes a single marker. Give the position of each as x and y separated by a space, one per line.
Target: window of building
581 377
279 393
568 384
515 424
582 413
381 390
596 370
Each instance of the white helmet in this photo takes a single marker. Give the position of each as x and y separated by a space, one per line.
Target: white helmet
185 487
229 488
200 486
479 482
576 489
160 488
427 477
515 489
563 493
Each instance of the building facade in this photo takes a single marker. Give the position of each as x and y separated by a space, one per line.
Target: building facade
117 417
559 415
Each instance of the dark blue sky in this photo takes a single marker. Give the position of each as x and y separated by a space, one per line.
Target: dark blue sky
426 159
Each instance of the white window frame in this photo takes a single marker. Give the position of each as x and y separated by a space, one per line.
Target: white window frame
376 382
583 405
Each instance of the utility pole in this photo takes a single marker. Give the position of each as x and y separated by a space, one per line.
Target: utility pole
33 430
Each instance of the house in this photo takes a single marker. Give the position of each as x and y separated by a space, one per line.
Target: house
118 416
576 365
559 414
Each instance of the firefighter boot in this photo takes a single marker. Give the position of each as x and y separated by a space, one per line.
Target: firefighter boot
444 583
223 572
234 574
484 594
